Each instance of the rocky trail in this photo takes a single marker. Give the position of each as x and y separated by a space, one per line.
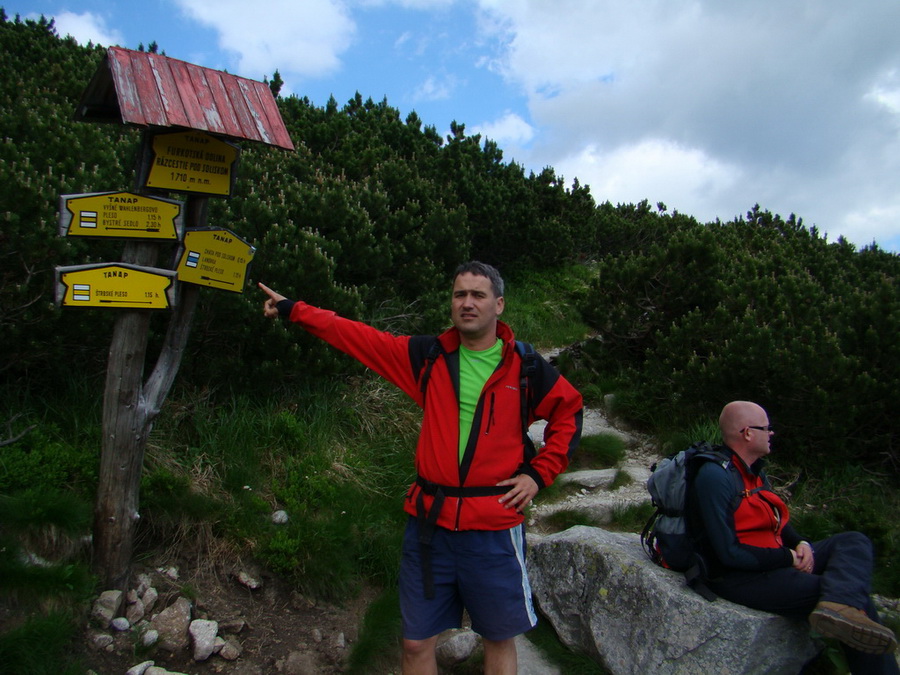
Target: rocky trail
241 621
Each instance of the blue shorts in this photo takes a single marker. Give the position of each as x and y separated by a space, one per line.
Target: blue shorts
481 571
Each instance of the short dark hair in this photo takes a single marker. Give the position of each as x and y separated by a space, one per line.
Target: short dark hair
481 269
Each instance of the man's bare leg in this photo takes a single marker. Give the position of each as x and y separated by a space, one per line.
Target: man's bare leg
500 657
419 656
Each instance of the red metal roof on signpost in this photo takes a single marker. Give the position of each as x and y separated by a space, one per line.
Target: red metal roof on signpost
151 90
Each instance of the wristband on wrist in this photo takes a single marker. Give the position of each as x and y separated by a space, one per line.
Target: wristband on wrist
284 307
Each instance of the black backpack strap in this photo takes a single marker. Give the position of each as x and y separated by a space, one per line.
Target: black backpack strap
434 352
695 577
527 376
648 538
426 519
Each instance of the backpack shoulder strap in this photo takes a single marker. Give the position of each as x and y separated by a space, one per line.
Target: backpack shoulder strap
527 376
435 351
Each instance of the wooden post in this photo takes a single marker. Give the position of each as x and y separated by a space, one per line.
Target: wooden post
129 410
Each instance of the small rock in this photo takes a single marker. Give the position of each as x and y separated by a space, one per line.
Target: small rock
203 634
172 624
235 625
135 611
299 663
170 573
106 607
248 581
143 583
140 668
231 650
317 635
280 517
150 638
121 624
149 598
101 640
456 646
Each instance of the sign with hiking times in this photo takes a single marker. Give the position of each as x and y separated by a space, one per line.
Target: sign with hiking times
120 215
192 161
115 286
216 258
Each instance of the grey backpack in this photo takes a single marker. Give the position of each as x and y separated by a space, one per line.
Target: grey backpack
667 537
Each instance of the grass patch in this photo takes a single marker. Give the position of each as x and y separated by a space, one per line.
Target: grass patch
569 662
40 646
622 479
378 648
541 309
565 518
630 518
602 451
336 457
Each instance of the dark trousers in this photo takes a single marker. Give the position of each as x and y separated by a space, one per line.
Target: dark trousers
842 573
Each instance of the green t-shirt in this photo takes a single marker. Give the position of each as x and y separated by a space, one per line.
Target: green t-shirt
474 370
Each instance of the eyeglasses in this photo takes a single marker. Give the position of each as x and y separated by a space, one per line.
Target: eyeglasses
768 428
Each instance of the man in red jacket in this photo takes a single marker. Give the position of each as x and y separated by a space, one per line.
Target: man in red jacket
756 558
464 545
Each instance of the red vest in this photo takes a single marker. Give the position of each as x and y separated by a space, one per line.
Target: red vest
761 515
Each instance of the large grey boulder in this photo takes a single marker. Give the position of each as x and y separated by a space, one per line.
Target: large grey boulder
605 598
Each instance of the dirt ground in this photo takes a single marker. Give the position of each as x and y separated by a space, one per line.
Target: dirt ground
285 632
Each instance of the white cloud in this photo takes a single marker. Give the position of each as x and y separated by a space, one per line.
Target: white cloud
305 38
87 27
886 92
685 179
714 107
510 129
434 89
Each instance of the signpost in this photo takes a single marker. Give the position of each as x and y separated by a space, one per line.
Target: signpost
215 258
115 285
180 106
120 215
192 161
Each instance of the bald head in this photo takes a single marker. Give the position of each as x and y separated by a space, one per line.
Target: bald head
744 427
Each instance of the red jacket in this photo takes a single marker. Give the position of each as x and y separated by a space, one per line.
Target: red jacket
495 451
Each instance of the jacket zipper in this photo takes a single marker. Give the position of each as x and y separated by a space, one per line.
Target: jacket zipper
490 421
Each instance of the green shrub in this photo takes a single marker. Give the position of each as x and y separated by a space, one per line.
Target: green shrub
672 440
44 460
758 309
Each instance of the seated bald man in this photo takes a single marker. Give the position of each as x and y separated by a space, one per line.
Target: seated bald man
757 559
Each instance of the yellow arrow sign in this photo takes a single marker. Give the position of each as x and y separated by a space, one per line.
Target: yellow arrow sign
192 161
216 258
120 215
115 285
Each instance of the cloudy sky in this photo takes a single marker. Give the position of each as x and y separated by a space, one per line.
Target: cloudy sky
709 106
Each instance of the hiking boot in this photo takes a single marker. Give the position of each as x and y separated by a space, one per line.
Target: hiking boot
852 627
